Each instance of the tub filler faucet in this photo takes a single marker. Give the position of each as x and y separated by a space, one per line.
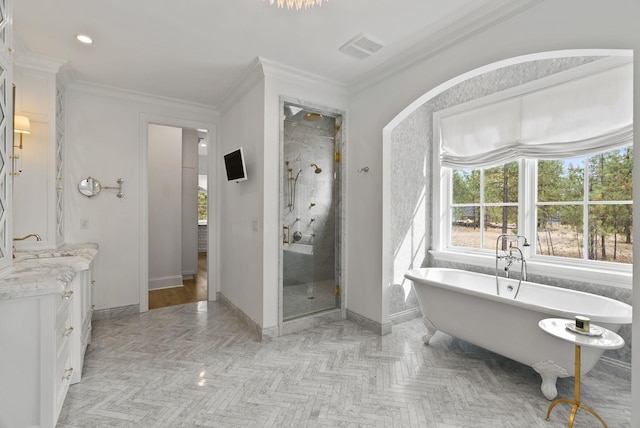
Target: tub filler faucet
511 253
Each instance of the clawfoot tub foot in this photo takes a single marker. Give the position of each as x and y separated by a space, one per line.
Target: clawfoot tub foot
550 372
431 330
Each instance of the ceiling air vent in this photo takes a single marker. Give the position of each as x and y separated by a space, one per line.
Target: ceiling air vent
361 46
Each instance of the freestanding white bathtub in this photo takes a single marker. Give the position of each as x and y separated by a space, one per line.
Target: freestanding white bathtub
467 305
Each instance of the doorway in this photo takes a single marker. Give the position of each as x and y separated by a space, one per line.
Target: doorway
192 290
177 214
310 214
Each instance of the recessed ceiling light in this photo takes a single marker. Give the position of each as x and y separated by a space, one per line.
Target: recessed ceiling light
84 39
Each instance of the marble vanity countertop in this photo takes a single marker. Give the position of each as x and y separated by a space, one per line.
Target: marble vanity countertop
85 251
40 272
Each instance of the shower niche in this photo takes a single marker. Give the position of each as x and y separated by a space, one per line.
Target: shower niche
311 222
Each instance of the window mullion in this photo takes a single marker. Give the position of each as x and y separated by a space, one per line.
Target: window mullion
585 212
482 208
528 201
445 202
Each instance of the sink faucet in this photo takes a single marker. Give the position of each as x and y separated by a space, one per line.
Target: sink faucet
31 235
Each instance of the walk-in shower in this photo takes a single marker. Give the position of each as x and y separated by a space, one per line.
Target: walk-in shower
311 183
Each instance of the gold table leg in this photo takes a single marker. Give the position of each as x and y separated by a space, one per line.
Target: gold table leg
575 403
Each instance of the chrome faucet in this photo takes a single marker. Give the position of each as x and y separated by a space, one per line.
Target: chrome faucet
512 254
519 258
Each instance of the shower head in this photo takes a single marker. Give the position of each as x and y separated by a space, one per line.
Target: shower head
312 117
318 170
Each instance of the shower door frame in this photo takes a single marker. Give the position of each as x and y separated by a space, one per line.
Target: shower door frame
337 313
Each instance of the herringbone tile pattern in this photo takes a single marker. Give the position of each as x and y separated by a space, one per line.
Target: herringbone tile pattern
197 365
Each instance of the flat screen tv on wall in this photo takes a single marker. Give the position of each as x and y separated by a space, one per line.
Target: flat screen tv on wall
235 166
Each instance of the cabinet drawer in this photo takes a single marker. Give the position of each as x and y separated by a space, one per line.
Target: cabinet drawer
64 299
63 360
64 331
62 377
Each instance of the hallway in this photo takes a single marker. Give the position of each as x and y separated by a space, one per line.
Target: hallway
193 290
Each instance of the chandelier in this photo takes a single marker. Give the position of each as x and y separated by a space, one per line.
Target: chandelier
298 4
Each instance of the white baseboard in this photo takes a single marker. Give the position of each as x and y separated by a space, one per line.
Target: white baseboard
165 282
405 316
616 363
261 333
118 312
376 327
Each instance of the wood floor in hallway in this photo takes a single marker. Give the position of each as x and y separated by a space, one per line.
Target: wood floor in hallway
192 290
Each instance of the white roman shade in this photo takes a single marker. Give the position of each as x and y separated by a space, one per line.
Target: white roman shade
587 115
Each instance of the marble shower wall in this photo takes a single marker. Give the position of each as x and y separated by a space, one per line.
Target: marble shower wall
412 175
311 199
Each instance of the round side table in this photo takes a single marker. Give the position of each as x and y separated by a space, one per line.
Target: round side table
607 340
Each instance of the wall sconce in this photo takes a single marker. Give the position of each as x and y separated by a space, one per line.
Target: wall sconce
21 125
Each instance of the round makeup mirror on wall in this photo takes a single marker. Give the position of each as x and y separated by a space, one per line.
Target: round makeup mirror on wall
89 187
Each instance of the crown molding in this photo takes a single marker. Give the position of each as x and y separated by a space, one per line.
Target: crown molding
471 24
129 95
251 76
23 57
66 77
304 78
262 68
38 62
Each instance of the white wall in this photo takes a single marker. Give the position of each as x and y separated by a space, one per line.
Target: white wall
189 202
103 137
165 206
241 205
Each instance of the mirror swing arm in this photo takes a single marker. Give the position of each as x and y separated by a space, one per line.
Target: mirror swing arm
91 187
118 187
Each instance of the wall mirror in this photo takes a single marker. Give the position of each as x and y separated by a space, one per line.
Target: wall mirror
89 187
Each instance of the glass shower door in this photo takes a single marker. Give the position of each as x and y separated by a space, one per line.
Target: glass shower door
309 214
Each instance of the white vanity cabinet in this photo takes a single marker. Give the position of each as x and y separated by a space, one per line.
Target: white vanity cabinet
45 328
36 363
82 312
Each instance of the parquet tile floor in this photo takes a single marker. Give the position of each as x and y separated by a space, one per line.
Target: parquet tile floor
197 365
